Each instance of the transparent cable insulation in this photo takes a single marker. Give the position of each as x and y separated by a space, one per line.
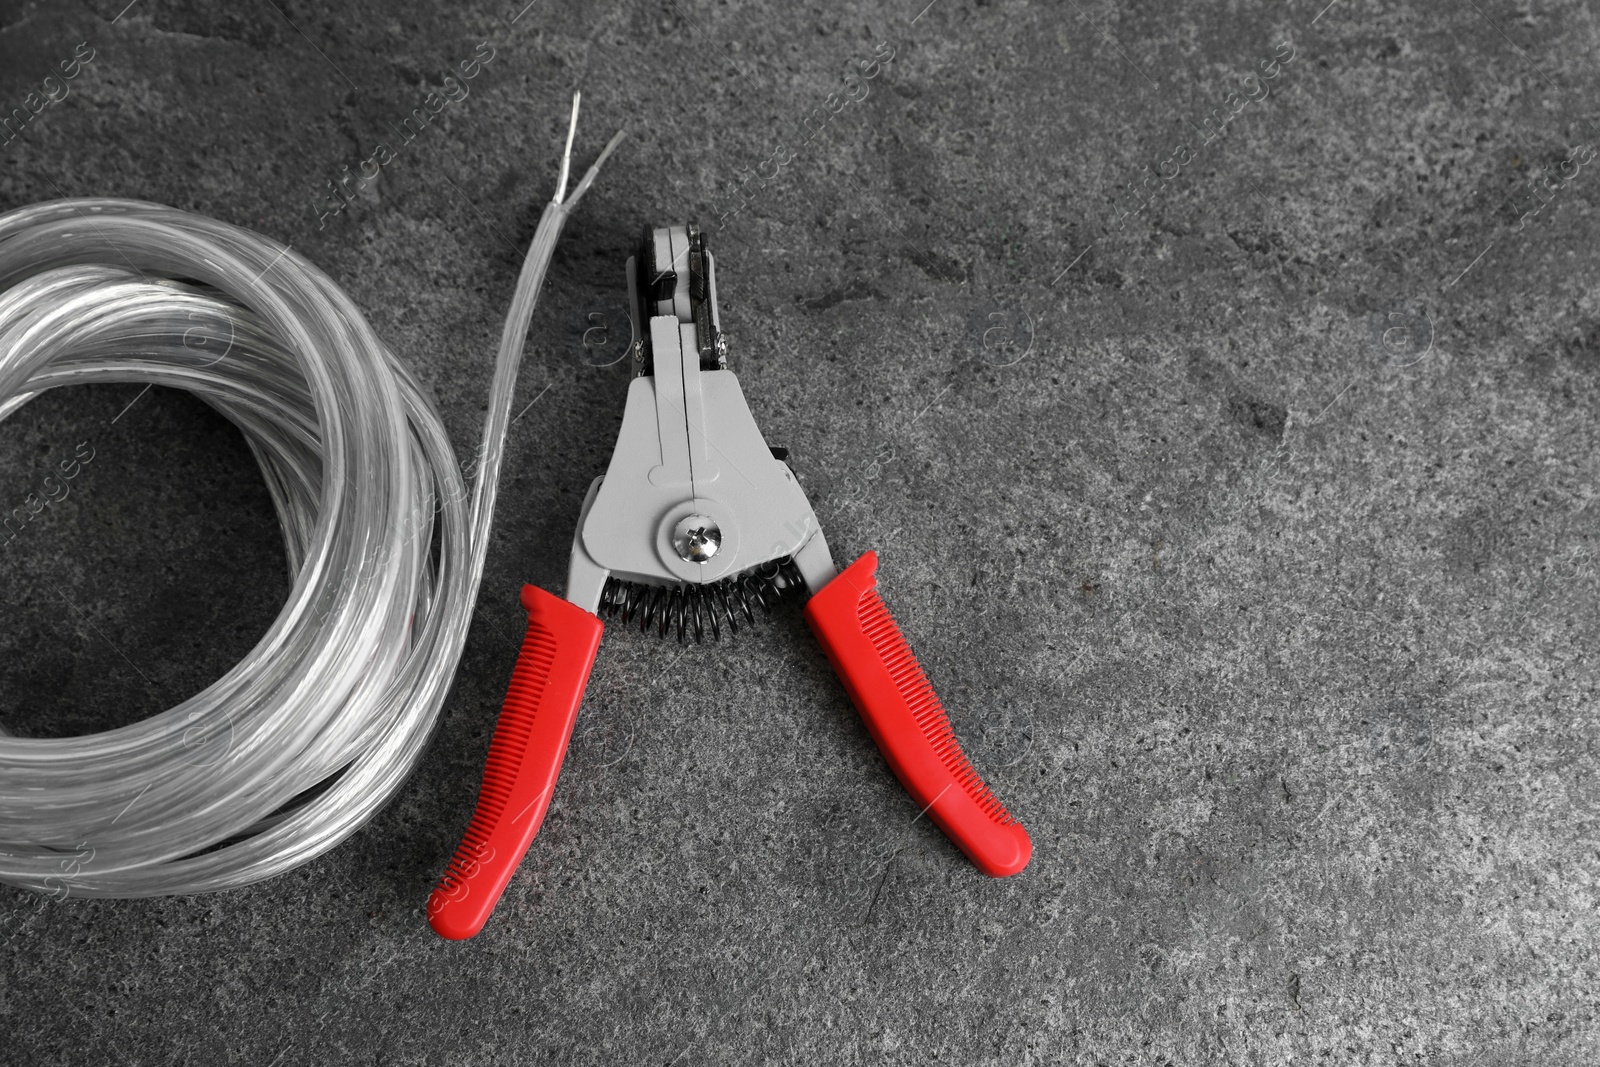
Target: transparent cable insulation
316 728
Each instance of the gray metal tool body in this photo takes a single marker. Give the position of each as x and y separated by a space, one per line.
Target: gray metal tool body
693 495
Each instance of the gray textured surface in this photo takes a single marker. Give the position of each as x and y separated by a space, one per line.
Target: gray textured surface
1279 632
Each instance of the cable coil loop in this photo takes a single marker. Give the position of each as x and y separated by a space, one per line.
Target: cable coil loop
308 736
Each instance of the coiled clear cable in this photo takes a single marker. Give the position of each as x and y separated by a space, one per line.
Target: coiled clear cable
310 734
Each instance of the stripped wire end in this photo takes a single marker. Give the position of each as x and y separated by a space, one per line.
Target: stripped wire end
566 157
560 199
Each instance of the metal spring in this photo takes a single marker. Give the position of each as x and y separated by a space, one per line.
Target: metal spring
695 609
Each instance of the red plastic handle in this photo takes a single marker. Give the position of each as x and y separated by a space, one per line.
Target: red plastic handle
530 741
905 718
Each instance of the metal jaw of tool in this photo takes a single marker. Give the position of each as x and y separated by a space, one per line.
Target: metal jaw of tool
696 522
694 501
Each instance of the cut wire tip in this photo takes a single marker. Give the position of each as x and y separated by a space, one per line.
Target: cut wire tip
566 159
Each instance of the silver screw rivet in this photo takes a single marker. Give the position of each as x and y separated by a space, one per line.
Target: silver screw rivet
696 538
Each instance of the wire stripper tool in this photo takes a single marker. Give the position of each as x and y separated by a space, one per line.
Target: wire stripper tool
695 524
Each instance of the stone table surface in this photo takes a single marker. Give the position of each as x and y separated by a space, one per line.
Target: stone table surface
1217 383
